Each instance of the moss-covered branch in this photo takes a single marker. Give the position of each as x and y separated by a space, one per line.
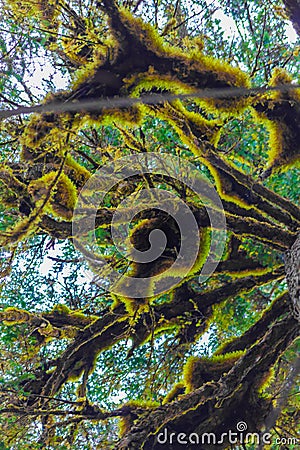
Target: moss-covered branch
117 325
217 406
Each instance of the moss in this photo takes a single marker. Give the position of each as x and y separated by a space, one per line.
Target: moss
266 381
123 116
177 390
181 275
78 317
142 32
278 111
283 153
63 195
146 81
77 370
76 172
74 48
87 71
46 128
136 306
62 309
68 332
281 77
188 124
116 301
13 316
170 326
45 11
198 371
48 331
20 230
160 271
8 178
195 61
130 140
248 272
127 421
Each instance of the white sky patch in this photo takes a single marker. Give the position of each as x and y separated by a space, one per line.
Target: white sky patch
41 69
230 29
291 33
203 343
118 397
48 263
227 23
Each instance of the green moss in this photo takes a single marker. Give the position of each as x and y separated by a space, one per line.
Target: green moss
78 173
62 198
266 381
198 371
204 248
13 316
177 390
249 272
144 32
126 422
274 108
61 309
79 316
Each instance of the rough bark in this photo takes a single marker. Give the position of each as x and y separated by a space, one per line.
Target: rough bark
292 268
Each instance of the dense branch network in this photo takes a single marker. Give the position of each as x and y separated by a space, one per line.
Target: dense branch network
46 193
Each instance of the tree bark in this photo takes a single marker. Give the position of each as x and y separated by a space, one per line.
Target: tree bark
292 268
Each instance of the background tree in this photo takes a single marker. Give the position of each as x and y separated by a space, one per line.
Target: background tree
83 368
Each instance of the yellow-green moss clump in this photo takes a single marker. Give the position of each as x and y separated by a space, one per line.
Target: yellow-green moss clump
281 77
279 112
159 272
46 11
199 371
177 390
61 197
45 128
13 316
76 172
194 62
126 422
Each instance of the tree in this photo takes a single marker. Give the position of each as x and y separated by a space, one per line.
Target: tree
143 352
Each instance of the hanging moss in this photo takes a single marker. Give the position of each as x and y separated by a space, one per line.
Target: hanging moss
20 231
11 181
279 112
46 11
146 39
62 198
190 126
76 172
266 381
41 129
160 270
76 317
